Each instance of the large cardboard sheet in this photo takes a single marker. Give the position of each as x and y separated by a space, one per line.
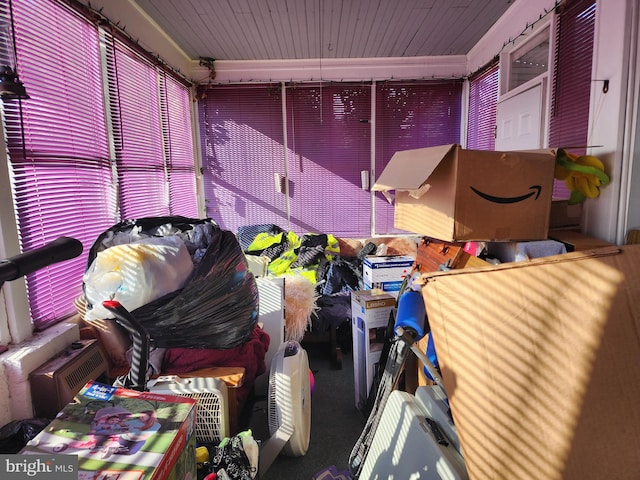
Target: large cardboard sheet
541 363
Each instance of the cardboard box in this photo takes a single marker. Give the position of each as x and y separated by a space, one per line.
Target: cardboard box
540 363
370 313
386 273
576 241
122 433
563 215
454 194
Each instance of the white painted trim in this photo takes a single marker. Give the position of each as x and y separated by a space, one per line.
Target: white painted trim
144 29
508 27
14 307
334 69
20 360
610 122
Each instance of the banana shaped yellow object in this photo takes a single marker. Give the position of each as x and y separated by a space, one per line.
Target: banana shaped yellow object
583 175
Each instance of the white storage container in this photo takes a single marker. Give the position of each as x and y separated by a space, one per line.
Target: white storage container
386 273
409 443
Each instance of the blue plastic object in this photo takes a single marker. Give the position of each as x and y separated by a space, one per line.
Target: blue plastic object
411 313
431 355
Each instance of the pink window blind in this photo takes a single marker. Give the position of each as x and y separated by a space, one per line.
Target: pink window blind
328 141
571 84
483 99
137 130
58 148
242 145
178 146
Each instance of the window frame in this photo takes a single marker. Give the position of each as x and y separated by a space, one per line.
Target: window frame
16 296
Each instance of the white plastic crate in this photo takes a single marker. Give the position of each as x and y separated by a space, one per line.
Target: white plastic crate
212 410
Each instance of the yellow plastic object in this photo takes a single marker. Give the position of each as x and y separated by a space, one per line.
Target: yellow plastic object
202 455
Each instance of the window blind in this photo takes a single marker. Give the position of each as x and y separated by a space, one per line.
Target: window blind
58 148
137 129
178 147
483 99
328 140
412 115
571 84
242 138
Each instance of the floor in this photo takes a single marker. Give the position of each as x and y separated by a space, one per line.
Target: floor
336 423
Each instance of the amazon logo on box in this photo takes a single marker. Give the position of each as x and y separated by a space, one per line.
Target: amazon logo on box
453 194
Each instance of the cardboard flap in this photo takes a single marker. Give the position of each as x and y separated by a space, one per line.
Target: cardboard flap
539 361
565 257
408 170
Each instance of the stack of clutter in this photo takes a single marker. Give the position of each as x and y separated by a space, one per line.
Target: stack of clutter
535 370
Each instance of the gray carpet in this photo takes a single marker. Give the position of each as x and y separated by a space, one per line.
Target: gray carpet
336 423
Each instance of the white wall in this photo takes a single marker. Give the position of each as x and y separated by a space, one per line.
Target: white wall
614 118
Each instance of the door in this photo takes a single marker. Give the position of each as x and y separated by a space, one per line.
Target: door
519 121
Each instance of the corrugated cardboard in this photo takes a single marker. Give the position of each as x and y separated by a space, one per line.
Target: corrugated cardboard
540 360
575 241
454 194
563 215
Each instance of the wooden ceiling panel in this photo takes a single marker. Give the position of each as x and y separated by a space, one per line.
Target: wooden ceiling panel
302 29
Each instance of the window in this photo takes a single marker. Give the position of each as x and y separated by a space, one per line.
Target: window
328 142
138 135
571 84
242 140
58 147
483 99
178 147
526 61
311 181
412 115
69 144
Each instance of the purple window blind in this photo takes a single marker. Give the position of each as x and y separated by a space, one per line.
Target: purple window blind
483 98
137 128
571 85
59 161
242 144
178 144
412 115
328 134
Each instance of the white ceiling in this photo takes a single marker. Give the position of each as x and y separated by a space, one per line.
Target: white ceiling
304 29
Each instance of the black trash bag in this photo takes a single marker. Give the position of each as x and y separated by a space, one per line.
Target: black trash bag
15 435
218 306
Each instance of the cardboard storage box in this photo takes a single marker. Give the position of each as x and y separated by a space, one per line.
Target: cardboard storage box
454 194
370 313
576 241
540 363
386 273
122 433
563 215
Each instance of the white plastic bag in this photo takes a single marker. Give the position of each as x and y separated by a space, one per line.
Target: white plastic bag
135 274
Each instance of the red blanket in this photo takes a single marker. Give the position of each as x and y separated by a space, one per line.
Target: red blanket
250 355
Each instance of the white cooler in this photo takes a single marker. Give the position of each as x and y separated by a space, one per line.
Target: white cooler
406 443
